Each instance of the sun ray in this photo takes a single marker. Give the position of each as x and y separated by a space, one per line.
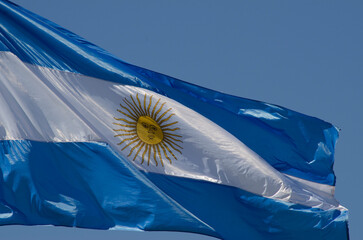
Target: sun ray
138 151
167 148
123 130
161 107
134 102
162 115
148 108
171 145
171 134
149 152
125 134
165 154
124 120
152 113
130 143
127 139
171 129
161 159
171 138
167 125
154 150
143 154
127 115
132 149
129 111
166 119
130 105
139 106
124 125
145 104
141 109
136 106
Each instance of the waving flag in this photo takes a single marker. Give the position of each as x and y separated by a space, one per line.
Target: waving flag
87 140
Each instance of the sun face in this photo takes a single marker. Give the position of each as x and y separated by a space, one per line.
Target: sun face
147 130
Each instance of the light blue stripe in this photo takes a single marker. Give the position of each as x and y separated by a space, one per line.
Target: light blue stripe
291 142
84 185
89 185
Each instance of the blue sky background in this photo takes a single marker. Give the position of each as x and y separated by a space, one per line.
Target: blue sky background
304 55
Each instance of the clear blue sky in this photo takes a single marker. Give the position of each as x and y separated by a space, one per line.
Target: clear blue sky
304 55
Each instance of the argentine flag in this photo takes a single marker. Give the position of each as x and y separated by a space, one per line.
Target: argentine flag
87 140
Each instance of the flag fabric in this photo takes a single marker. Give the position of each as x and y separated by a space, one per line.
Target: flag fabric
88 140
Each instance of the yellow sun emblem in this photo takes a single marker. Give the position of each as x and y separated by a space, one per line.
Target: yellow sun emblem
145 130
